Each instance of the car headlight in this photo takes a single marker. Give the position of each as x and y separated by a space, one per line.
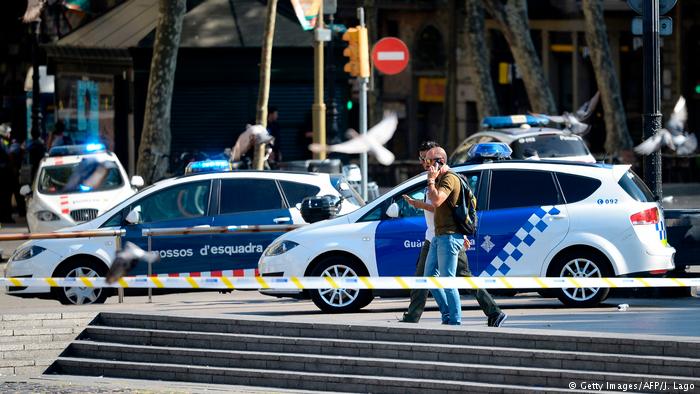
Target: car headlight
279 248
27 253
47 216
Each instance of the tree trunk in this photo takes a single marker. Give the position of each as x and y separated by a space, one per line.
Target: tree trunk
511 17
617 137
264 89
478 57
154 149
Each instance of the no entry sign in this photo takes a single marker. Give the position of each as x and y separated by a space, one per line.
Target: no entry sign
390 55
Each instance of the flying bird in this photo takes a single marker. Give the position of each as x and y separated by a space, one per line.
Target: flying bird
674 136
126 259
574 122
371 142
253 135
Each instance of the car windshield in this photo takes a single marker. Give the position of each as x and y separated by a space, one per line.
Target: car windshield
83 177
548 146
345 190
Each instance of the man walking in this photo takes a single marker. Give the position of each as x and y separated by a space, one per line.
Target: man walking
443 192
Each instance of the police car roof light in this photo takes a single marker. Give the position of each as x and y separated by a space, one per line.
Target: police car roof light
75 150
501 122
489 151
208 166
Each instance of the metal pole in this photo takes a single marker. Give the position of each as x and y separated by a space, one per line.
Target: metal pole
333 117
363 114
652 92
36 90
150 271
118 247
319 106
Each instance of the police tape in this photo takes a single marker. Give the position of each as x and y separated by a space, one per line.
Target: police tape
363 282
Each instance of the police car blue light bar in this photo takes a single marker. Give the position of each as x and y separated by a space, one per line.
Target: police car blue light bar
501 122
208 166
489 151
75 150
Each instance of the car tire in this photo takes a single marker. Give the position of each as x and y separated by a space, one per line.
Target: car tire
80 295
340 300
580 263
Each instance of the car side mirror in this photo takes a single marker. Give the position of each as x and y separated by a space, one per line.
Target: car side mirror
25 190
393 210
137 181
133 217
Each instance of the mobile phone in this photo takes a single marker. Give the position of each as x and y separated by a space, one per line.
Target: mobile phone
438 164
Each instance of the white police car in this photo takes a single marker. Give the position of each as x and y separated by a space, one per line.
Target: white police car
528 137
536 218
74 184
198 199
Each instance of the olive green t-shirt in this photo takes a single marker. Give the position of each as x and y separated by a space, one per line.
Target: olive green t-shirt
447 183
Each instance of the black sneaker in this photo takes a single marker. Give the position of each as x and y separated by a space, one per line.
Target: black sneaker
497 321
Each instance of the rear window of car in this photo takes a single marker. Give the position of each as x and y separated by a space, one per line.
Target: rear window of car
548 146
635 187
577 187
520 188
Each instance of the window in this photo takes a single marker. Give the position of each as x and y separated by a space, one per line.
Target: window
187 200
550 146
244 195
636 187
576 187
86 176
405 210
295 192
518 188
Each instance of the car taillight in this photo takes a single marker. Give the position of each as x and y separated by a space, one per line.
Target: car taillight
648 216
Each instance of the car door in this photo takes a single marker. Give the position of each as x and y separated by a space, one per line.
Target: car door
245 201
181 205
397 241
524 219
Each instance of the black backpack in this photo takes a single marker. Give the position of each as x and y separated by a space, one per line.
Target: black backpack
464 213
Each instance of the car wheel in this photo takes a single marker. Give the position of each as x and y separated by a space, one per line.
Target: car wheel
340 300
80 295
581 264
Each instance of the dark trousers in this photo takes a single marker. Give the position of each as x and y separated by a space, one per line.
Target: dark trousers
419 296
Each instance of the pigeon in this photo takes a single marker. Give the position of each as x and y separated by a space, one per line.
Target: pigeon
126 259
673 136
574 122
371 142
253 135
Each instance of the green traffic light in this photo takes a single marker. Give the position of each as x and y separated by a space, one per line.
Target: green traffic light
697 88
349 103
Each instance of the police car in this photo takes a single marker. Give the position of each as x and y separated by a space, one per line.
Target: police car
74 184
200 199
528 137
535 218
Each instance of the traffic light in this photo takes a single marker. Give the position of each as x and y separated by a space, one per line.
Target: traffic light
357 52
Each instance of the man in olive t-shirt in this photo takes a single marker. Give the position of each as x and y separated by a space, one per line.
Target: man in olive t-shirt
443 190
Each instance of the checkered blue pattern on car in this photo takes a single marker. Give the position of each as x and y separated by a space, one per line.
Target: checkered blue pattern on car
661 229
522 240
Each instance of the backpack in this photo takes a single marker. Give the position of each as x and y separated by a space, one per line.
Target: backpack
464 213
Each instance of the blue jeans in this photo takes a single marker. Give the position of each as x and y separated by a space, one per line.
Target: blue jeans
442 261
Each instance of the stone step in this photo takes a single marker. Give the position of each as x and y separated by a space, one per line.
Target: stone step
282 379
404 351
602 343
366 365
